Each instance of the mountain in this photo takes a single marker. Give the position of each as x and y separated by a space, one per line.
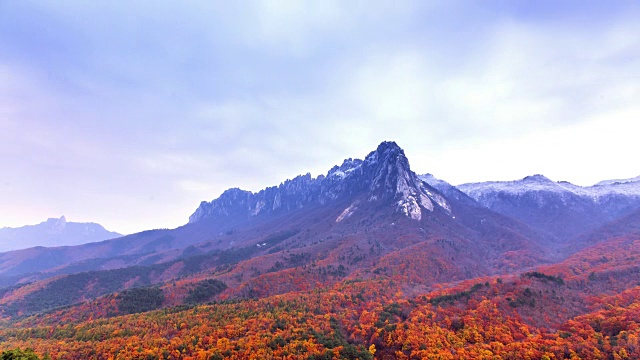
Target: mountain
363 219
583 307
619 181
369 261
447 189
53 232
627 226
382 187
384 176
560 208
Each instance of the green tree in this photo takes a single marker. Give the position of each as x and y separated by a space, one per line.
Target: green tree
17 354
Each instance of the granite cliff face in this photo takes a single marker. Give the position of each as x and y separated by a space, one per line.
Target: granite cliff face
384 177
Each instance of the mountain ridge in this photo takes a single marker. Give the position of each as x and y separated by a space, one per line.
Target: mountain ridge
364 217
629 187
558 208
384 173
53 232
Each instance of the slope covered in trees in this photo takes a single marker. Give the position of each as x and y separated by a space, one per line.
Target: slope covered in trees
363 319
367 262
555 312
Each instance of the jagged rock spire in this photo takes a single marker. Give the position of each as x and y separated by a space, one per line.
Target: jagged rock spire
384 175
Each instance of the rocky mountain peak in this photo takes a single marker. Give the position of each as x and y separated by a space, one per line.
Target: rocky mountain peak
388 170
384 175
344 170
231 202
537 178
386 152
57 225
61 219
391 178
53 232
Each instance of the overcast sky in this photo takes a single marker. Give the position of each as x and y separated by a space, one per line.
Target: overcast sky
129 113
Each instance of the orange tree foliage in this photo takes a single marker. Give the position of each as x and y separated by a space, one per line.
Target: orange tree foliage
353 319
569 311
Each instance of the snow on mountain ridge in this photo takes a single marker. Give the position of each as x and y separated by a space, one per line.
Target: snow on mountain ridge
529 183
618 181
433 181
560 209
347 167
539 183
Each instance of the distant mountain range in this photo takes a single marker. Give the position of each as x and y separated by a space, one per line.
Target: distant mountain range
363 219
51 233
560 208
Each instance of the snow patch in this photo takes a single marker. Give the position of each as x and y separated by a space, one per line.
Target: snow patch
618 181
539 183
338 174
344 170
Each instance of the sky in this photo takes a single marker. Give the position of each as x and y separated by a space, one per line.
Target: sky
129 114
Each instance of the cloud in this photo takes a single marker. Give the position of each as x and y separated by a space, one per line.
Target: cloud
580 153
291 23
391 88
505 89
151 108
